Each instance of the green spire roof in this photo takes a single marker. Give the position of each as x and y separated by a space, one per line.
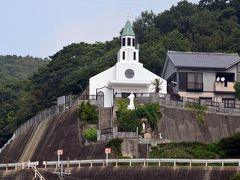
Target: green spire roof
128 30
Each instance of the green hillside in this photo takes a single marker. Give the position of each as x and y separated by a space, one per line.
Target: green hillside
212 26
18 68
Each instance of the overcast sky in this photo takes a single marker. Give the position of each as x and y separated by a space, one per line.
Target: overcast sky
42 27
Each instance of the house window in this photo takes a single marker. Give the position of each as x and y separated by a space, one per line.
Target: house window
133 42
228 102
123 55
182 81
134 56
129 41
207 101
194 81
123 42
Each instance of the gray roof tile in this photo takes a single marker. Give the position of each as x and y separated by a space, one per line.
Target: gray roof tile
203 59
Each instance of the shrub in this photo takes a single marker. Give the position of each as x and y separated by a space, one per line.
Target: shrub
90 134
235 177
129 120
115 144
151 112
187 150
231 146
199 111
88 113
122 104
237 89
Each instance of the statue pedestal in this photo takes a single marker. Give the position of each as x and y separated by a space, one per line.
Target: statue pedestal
130 107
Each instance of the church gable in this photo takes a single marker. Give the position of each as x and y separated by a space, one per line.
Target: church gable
128 75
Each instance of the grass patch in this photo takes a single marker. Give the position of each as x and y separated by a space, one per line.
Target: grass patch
187 150
199 111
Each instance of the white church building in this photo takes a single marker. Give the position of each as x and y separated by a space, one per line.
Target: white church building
127 76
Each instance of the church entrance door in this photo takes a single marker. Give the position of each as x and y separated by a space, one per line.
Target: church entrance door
100 99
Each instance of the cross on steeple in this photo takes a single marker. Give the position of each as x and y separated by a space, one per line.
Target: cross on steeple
128 16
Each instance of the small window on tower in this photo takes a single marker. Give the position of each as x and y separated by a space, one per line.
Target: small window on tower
129 42
123 42
134 56
133 42
123 55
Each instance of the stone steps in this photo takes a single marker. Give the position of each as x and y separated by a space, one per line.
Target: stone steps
105 118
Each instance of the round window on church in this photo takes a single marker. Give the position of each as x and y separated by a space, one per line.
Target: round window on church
129 73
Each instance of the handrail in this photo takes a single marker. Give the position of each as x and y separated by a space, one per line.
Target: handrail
44 115
37 173
5 145
173 162
22 165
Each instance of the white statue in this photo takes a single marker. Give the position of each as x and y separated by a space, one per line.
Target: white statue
131 103
144 126
160 136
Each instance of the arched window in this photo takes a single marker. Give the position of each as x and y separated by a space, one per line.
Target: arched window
123 41
133 42
100 99
123 55
129 41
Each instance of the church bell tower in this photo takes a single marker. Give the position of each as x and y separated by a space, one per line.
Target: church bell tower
128 52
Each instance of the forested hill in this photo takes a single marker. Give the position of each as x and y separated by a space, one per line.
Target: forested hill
211 25
14 68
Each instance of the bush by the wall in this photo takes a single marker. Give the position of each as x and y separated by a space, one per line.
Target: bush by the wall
231 146
237 89
235 177
129 120
88 113
151 112
115 144
187 150
199 111
90 134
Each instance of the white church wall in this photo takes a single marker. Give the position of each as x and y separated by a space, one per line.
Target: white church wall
140 74
122 67
115 76
151 76
99 81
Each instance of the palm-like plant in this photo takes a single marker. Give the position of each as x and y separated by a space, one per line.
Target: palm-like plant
157 83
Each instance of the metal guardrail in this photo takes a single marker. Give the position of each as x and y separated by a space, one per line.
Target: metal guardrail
5 145
44 115
37 173
22 165
166 99
144 162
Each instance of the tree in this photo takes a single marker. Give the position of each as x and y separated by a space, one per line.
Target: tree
157 83
88 113
237 89
90 134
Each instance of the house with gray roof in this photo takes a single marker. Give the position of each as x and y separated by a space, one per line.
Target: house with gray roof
205 76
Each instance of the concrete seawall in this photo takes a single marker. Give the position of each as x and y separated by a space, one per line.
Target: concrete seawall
131 173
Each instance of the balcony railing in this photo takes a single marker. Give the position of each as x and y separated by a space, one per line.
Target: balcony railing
224 87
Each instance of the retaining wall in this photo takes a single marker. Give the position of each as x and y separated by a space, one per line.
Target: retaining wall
132 173
180 124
